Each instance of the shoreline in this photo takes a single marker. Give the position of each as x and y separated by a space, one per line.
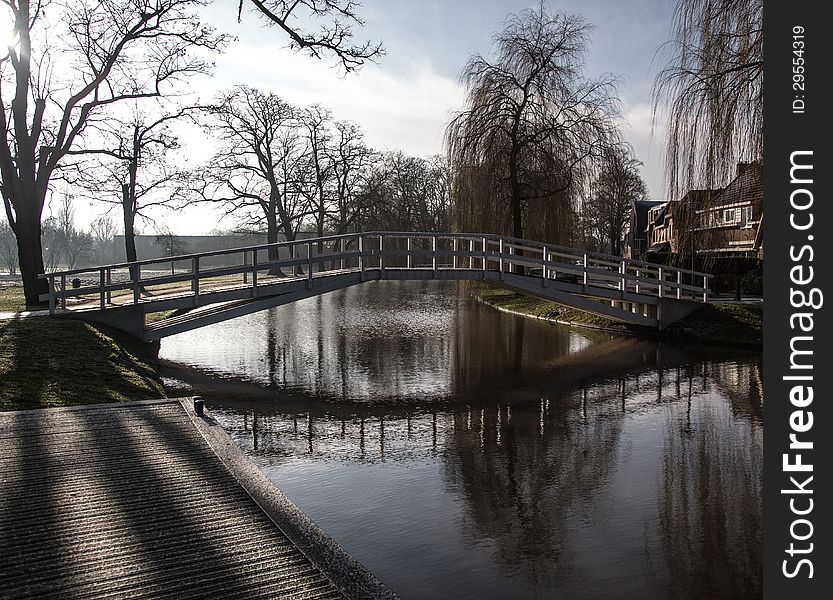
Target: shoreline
728 325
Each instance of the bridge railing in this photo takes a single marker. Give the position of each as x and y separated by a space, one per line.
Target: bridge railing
259 265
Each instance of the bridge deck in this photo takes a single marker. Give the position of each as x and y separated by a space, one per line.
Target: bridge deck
630 291
116 500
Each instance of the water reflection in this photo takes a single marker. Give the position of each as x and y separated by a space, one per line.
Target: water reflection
462 452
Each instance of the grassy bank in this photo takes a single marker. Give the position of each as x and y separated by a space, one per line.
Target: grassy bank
11 299
738 325
61 362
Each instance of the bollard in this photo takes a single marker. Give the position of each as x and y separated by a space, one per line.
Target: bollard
199 405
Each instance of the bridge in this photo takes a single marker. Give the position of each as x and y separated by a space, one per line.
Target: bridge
194 290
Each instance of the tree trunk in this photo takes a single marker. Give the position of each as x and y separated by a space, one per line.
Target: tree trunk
272 238
515 189
30 254
129 231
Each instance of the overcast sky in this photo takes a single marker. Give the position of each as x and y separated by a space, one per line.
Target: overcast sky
405 101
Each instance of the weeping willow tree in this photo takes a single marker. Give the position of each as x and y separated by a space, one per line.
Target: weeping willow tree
532 127
712 87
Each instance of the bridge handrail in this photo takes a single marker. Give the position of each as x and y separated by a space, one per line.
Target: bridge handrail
512 252
391 234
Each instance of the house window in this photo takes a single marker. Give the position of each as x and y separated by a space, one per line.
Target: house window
745 216
729 216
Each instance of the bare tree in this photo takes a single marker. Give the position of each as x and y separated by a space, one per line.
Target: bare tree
316 123
533 120
61 72
103 231
130 167
617 185
352 162
713 87
260 170
334 35
8 247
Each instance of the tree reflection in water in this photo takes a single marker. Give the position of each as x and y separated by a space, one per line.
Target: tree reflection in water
582 465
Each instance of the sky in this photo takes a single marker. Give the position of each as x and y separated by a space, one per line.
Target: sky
405 101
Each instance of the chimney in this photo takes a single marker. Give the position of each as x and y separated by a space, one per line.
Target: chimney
743 167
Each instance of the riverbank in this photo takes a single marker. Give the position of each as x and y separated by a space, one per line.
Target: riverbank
61 362
736 325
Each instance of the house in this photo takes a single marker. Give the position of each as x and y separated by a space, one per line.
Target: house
716 230
729 227
670 226
635 241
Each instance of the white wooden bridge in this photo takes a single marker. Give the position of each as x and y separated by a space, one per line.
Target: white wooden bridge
210 287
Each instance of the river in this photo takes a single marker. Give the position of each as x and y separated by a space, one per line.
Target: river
461 452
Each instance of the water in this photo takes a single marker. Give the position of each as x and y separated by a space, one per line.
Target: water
460 452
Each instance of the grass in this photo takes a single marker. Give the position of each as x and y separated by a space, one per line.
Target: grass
11 299
726 324
61 362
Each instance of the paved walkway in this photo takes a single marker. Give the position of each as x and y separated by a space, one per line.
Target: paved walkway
148 500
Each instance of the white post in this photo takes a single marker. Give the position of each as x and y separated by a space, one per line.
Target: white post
679 285
485 259
361 257
434 254
309 265
500 261
382 255
660 276
584 281
636 289
544 274
705 288
623 270
454 260
408 252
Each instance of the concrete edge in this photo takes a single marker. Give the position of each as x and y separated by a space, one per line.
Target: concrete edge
346 573
92 406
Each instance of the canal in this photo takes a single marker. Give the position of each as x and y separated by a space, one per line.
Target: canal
461 452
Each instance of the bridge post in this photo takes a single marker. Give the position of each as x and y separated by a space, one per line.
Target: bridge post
63 291
101 282
661 277
636 289
705 288
500 261
381 256
109 281
485 258
309 265
341 248
51 281
245 264
254 274
679 285
454 248
361 257
137 276
434 254
623 269
195 279
408 253
544 274
584 278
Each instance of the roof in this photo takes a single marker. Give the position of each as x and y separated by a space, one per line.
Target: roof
641 207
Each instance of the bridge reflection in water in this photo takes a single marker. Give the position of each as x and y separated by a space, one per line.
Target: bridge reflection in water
522 460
